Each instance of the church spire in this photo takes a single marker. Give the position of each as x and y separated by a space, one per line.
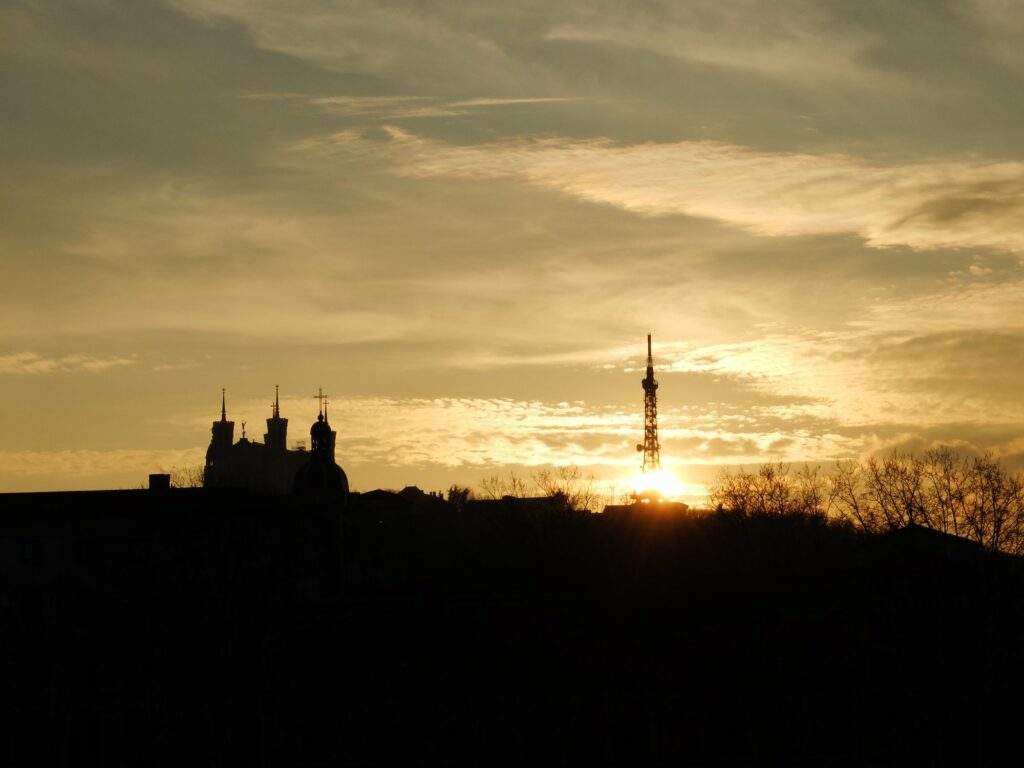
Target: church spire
223 431
276 436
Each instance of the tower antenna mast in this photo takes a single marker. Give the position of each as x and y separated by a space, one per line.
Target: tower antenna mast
650 446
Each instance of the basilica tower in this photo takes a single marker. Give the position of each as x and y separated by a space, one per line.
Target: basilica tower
223 435
276 438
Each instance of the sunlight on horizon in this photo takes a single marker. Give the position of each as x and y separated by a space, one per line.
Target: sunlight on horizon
663 481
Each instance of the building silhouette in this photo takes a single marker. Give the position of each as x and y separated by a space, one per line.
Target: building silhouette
270 467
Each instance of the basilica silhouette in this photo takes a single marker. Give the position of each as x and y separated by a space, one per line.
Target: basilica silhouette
270 467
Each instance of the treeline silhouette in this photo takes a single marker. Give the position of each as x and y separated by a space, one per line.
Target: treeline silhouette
971 497
568 483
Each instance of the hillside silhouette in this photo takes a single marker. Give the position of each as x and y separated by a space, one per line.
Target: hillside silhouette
219 627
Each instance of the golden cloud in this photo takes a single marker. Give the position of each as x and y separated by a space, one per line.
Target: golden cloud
947 204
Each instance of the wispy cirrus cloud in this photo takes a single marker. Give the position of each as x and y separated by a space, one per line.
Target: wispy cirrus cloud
33 363
419 43
509 102
506 44
403 107
945 204
385 107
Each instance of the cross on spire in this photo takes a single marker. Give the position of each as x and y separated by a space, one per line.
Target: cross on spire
322 400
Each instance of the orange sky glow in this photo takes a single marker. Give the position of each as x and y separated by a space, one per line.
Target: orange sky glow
461 222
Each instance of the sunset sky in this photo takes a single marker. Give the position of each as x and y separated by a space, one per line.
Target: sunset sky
462 219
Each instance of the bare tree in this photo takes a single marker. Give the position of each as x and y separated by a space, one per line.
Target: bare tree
579 490
894 486
497 487
809 491
772 490
975 498
843 499
733 492
881 495
946 491
190 476
994 504
622 494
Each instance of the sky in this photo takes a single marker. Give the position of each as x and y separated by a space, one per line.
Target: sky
462 219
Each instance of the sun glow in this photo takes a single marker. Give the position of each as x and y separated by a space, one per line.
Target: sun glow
660 485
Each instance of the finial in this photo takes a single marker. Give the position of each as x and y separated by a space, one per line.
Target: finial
277 404
243 430
223 405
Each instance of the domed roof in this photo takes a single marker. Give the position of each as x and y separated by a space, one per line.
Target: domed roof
322 436
321 477
320 427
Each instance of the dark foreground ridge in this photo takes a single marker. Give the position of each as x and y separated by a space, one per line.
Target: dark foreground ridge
223 628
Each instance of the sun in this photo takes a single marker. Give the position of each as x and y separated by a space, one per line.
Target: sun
661 485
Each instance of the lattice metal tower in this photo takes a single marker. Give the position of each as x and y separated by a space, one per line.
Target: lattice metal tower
650 446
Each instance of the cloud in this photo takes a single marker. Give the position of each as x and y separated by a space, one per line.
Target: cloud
90 463
382 440
762 72
496 102
478 433
791 40
1001 23
165 367
403 107
981 304
456 44
865 377
386 107
33 363
945 204
454 432
425 45
711 171
346 251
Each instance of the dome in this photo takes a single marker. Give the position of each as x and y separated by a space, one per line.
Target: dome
321 477
321 434
320 426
